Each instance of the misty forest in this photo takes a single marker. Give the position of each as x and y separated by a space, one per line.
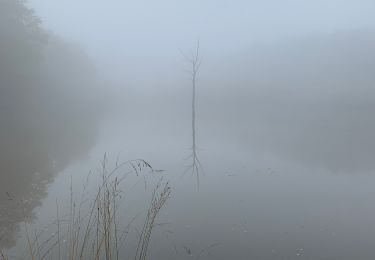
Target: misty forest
187 130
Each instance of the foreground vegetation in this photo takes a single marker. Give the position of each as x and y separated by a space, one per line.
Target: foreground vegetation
94 231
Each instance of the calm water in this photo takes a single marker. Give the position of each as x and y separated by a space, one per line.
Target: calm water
250 205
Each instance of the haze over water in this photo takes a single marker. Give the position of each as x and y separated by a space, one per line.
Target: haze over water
285 103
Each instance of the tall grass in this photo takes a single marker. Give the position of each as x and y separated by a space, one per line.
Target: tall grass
93 232
157 203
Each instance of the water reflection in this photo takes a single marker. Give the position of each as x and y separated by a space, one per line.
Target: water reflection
48 119
310 101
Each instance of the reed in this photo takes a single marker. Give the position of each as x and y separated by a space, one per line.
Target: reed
94 232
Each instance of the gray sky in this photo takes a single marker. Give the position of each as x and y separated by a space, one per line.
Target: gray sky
114 30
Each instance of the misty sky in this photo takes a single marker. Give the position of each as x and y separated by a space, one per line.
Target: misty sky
116 30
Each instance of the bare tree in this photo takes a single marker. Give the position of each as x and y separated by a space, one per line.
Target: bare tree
194 60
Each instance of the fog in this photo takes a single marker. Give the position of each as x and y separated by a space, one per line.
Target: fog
283 125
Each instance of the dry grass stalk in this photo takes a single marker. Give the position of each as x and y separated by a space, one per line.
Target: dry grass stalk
95 234
159 198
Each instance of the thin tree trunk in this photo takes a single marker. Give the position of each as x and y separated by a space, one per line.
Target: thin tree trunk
195 62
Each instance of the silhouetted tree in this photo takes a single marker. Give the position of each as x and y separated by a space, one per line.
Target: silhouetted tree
48 111
195 61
